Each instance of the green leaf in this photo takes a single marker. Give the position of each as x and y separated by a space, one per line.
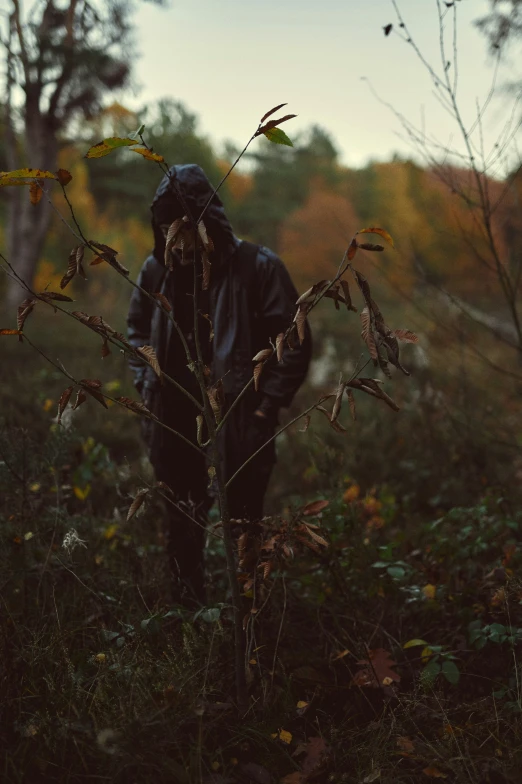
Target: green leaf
431 670
107 146
413 643
397 572
277 136
208 614
109 636
451 672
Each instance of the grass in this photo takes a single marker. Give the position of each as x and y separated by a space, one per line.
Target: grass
104 679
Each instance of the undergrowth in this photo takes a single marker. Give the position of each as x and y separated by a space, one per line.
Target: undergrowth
390 655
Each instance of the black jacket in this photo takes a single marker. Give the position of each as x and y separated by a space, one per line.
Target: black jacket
251 299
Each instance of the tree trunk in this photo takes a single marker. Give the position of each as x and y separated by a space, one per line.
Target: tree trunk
28 223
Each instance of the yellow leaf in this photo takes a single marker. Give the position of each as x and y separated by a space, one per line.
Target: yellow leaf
351 494
148 154
37 174
215 766
381 232
426 654
28 535
285 736
110 531
100 658
34 487
81 494
107 146
113 386
48 404
429 591
413 643
302 704
341 655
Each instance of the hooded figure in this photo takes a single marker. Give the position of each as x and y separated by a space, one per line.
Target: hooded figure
249 301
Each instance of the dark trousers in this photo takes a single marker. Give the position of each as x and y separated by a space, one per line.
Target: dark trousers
186 474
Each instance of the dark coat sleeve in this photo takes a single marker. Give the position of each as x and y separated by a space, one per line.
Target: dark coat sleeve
139 317
276 303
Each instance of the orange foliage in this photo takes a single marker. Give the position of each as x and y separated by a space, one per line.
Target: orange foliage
238 185
313 239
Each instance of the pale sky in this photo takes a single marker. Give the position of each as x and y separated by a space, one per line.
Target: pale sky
231 60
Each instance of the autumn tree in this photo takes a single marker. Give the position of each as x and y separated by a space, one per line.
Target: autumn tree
61 59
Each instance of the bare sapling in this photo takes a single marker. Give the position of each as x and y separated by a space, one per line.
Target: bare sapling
188 237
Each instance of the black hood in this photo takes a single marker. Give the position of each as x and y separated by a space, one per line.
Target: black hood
196 190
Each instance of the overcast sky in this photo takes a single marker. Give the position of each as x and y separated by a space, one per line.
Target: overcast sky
231 60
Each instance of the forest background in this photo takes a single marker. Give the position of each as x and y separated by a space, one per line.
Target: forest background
422 512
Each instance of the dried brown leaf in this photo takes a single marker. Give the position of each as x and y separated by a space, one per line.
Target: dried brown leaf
105 350
35 192
163 300
300 322
371 246
91 383
272 111
314 507
135 406
24 310
80 250
351 402
10 332
352 250
263 355
307 296
64 177
64 399
367 332
338 402
280 346
136 504
171 239
149 355
347 296
205 239
377 669
274 123
81 397
163 486
257 372
71 268
434 773
406 335
49 295
316 537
